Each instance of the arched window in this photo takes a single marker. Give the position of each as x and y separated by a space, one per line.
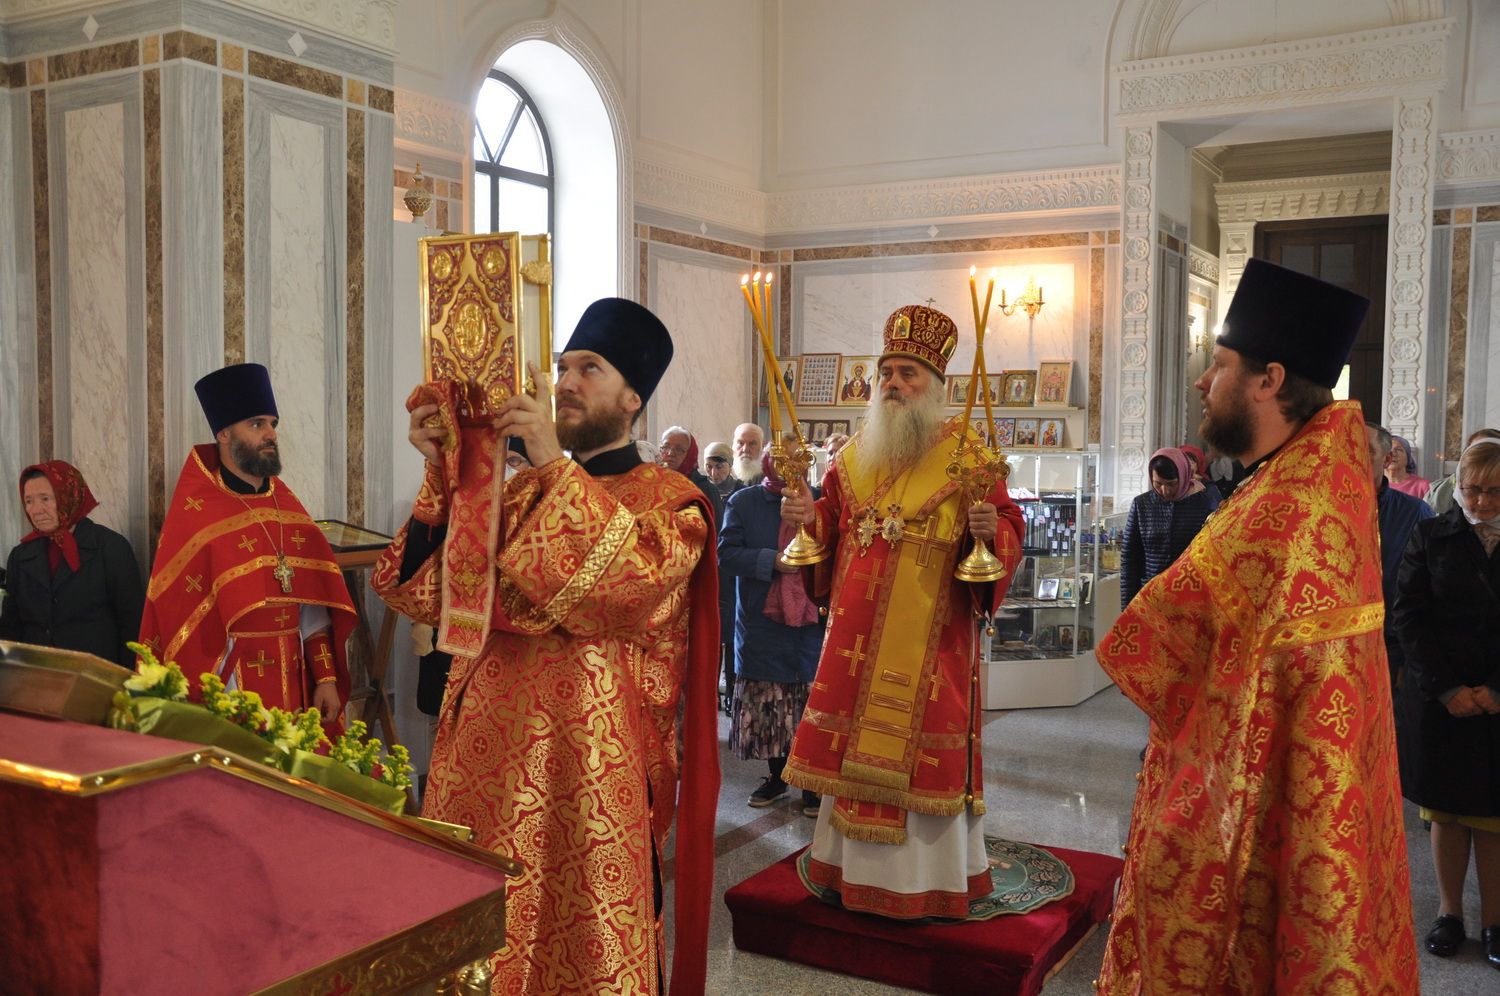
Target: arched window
513 167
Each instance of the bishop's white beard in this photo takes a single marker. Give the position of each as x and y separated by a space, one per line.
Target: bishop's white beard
748 471
898 433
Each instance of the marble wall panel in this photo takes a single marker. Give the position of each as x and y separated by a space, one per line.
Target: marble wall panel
295 282
842 306
193 252
1458 331
383 393
1482 387
98 289
299 265
18 399
707 388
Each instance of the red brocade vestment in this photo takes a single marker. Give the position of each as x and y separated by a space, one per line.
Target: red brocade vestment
213 581
1266 851
892 717
581 612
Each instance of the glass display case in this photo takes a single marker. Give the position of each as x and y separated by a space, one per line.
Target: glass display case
1038 648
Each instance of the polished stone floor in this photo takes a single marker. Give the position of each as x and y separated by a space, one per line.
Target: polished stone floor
1053 776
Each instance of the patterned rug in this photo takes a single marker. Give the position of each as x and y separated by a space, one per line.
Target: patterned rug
1024 877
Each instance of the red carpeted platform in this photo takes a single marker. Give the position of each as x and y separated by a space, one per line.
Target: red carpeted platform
775 915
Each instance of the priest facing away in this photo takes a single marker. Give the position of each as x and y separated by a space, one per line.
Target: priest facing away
580 602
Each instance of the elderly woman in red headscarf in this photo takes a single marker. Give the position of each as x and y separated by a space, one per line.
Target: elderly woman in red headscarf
70 583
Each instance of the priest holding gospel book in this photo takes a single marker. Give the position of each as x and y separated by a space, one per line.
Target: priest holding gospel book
580 602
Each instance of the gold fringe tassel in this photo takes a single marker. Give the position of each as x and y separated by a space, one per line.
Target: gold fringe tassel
801 777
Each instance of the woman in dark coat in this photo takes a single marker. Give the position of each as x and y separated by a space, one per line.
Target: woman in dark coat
1162 521
778 635
1447 616
71 583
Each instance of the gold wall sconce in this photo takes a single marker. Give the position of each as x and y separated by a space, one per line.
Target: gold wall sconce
1030 301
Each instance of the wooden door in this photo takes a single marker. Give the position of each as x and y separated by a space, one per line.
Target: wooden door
1350 253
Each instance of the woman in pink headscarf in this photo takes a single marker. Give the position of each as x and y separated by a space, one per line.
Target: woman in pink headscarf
1162 521
71 583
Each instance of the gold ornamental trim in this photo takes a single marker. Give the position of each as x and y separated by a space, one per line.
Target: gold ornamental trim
421 953
225 762
599 558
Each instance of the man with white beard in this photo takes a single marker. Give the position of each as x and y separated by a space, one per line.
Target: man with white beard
890 736
749 443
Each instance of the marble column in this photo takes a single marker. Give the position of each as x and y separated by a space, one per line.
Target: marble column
1236 245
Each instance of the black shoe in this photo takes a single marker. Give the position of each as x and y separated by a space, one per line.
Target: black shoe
1489 937
811 804
1447 936
770 790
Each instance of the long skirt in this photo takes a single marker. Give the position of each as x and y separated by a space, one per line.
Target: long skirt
763 718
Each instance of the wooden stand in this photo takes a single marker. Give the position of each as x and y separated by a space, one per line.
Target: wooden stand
374 704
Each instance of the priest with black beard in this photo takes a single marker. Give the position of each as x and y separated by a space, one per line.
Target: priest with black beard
245 585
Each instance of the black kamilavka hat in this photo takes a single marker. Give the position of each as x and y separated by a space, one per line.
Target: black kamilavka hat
1282 316
234 394
630 337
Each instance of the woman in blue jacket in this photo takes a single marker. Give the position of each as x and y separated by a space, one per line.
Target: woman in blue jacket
778 633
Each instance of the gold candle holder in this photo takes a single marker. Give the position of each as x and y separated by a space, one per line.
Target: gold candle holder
790 454
976 467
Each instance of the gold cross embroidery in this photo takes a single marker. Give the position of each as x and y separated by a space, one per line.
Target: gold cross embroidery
871 579
929 542
856 656
324 656
193 504
282 618
837 737
467 579
260 664
154 644
247 543
923 758
298 539
937 685
194 583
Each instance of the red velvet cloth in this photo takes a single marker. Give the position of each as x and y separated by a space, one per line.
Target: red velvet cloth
775 915
199 883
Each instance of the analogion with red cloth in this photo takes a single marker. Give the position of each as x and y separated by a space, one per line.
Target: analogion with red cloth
1266 850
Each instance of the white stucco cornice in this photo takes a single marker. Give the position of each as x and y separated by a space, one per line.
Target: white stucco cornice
431 124
1469 157
369 23
1304 197
1404 60
970 198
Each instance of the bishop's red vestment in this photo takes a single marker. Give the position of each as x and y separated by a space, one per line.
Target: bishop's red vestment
892 719
1266 849
581 611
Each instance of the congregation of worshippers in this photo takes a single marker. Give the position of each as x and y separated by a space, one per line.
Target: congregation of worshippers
1295 508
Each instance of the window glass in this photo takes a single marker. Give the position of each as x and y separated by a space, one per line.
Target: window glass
522 208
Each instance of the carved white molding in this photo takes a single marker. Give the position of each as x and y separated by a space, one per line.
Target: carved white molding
682 192
1236 243
1203 264
1469 157
934 200
20 10
1138 239
370 23
432 123
1304 197
1390 62
1409 263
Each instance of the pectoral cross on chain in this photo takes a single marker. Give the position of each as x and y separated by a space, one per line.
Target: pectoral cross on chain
283 573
